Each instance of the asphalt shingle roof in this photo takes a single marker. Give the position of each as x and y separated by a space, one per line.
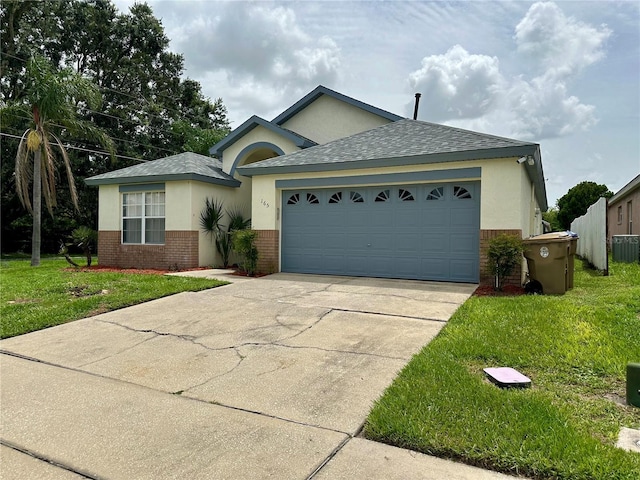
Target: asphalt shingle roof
183 166
397 140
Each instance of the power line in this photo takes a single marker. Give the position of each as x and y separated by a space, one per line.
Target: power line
135 97
73 147
112 138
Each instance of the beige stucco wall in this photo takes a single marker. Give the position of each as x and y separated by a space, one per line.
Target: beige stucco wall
109 207
328 119
501 197
505 199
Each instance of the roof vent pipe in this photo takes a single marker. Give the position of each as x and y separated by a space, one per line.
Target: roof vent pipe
415 109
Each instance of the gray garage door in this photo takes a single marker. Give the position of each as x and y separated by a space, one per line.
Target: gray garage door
426 232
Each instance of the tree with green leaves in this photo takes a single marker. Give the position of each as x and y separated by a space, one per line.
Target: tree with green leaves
551 216
149 110
577 200
50 100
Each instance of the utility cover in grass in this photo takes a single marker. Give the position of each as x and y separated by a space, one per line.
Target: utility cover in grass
507 377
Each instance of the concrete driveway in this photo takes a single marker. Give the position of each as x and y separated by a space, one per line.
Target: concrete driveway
269 377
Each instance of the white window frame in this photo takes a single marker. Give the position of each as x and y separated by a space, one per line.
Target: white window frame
144 214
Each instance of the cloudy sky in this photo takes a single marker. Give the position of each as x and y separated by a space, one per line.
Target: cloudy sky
562 74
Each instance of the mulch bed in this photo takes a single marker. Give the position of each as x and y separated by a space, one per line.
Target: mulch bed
153 271
147 271
507 291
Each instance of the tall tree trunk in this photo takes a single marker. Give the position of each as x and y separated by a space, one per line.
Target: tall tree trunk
37 208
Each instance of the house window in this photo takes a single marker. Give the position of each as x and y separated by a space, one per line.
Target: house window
630 217
143 218
620 215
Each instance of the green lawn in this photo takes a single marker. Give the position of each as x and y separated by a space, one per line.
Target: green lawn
51 294
575 349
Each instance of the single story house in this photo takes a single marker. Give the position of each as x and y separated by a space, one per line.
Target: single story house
333 186
623 210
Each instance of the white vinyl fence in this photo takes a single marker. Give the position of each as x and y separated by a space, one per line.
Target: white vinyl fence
592 230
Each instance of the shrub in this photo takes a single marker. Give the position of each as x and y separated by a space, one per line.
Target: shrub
504 254
244 245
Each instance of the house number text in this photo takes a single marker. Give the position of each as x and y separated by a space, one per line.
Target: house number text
264 203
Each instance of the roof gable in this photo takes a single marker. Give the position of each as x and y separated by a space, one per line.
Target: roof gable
321 90
183 166
252 123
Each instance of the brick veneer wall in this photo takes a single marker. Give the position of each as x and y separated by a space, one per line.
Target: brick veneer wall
485 277
180 250
268 244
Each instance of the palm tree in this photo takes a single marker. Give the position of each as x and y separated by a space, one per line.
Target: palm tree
50 100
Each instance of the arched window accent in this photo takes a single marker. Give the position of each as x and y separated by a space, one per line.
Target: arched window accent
405 195
336 198
461 192
293 199
436 194
312 199
383 196
355 197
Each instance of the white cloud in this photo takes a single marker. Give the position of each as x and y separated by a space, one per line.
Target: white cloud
559 44
470 91
458 84
542 108
259 52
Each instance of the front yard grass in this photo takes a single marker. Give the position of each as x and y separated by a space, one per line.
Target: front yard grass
575 349
32 298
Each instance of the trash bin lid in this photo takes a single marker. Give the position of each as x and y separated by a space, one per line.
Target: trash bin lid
550 237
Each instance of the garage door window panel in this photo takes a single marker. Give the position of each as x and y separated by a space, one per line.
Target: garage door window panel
294 199
461 193
405 195
335 198
356 197
383 196
436 194
312 199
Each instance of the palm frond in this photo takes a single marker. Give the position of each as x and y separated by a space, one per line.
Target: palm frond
237 220
14 114
211 216
48 168
67 163
24 172
86 130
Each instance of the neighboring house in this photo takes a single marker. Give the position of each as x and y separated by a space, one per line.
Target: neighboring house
624 210
333 186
